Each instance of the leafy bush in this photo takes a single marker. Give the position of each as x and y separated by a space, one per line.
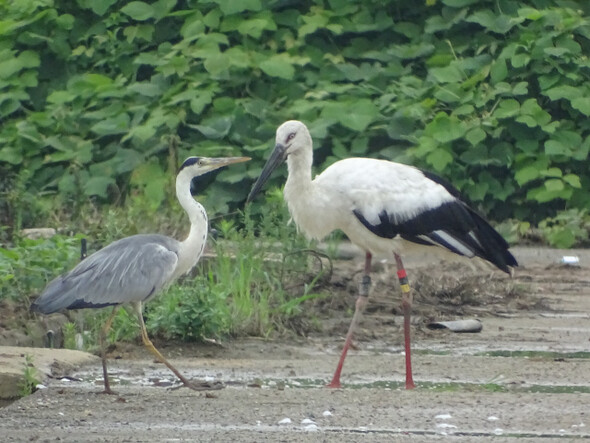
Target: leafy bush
100 99
27 267
238 290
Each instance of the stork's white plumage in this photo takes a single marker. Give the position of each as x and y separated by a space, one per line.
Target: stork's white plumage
379 205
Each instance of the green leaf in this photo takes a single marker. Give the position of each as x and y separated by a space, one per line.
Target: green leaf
475 136
359 115
145 88
498 71
278 66
216 64
527 174
147 173
542 195
562 238
476 155
459 3
138 10
520 60
214 128
444 128
126 160
573 180
493 21
439 159
531 108
198 103
229 7
521 88
554 184
114 125
552 172
507 108
98 186
256 26
11 155
562 91
448 74
582 104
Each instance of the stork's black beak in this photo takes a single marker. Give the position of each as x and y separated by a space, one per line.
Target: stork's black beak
278 156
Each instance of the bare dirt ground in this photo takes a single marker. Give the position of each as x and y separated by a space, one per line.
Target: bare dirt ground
525 376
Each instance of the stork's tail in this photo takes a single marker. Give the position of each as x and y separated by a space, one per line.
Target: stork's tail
494 247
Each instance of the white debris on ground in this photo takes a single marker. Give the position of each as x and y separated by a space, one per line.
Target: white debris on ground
443 416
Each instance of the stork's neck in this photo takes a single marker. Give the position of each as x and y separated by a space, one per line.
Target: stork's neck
299 165
193 245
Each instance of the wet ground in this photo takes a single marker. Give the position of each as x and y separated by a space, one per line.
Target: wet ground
524 377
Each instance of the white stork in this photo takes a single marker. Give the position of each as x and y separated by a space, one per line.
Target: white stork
379 205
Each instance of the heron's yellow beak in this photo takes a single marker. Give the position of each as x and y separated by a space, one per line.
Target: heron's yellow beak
214 163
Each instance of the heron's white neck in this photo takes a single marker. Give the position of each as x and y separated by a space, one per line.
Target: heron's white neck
192 246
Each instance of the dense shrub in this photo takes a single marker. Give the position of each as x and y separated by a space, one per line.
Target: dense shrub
99 99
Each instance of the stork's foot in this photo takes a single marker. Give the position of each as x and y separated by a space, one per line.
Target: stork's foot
202 386
334 384
410 385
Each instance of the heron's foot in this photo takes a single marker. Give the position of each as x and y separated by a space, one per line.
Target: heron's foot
107 391
202 385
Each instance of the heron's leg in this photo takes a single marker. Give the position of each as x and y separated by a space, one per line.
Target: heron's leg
359 307
150 346
103 353
406 307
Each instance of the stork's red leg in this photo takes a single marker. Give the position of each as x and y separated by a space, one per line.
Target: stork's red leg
406 306
359 307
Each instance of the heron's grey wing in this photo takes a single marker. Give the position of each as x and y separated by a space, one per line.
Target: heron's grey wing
132 269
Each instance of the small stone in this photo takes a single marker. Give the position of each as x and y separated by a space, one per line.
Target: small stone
285 421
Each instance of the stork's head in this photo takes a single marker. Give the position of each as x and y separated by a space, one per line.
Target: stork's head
292 138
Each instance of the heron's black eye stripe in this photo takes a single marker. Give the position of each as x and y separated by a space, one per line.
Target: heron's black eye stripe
189 162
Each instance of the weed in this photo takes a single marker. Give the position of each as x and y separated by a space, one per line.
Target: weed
29 381
69 331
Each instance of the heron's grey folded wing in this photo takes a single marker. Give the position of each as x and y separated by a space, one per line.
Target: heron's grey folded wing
131 269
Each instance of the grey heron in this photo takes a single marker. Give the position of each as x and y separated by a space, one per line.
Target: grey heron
379 205
134 269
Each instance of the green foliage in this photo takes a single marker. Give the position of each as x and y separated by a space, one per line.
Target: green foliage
191 311
30 380
241 289
238 290
100 99
28 265
567 229
69 332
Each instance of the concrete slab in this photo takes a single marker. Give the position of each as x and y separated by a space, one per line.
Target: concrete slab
47 362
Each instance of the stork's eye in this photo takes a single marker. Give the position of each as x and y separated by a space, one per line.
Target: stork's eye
291 136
